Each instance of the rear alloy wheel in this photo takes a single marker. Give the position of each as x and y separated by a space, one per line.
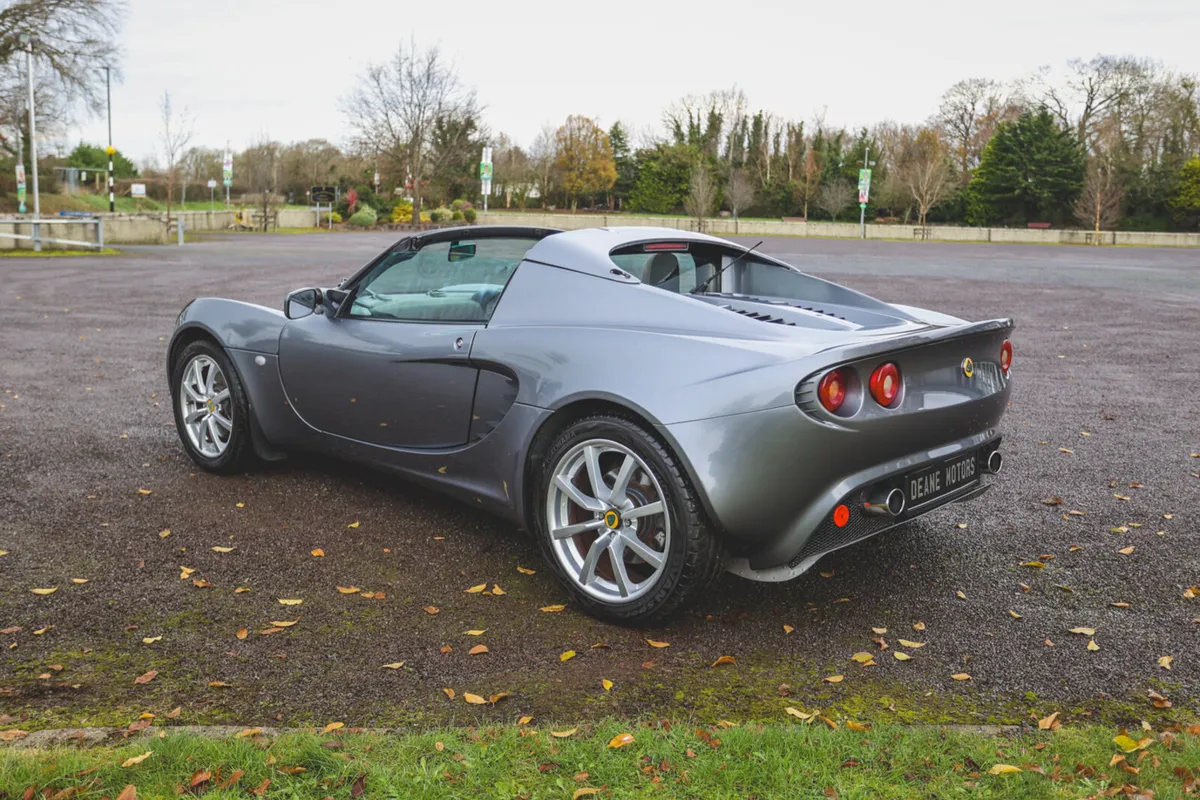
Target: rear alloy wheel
621 524
211 412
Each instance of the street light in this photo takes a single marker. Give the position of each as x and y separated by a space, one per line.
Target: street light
29 42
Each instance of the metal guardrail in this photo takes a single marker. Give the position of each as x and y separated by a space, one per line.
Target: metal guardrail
36 235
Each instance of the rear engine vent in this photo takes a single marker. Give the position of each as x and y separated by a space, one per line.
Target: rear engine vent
759 316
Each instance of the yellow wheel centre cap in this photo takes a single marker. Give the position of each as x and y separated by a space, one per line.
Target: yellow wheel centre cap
211 407
968 367
612 519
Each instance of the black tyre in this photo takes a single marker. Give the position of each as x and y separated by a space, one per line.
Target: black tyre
212 414
620 523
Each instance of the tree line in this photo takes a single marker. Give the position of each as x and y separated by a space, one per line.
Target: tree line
1110 142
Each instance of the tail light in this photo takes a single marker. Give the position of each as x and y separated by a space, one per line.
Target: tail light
831 391
1005 356
885 384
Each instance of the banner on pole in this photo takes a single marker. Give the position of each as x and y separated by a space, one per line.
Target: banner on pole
227 168
864 185
21 188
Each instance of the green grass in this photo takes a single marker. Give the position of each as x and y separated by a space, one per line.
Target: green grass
663 761
108 251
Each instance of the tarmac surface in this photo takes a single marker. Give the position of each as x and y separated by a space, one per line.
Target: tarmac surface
1105 416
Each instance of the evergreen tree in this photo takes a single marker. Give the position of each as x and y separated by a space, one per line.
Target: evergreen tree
1185 200
626 164
1031 170
93 157
663 174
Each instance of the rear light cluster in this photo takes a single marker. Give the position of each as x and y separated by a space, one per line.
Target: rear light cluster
884 387
1006 357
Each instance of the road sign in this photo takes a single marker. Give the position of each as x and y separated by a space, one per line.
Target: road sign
212 184
137 189
864 185
227 168
323 194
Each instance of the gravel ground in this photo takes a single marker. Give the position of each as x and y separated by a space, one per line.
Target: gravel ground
1104 416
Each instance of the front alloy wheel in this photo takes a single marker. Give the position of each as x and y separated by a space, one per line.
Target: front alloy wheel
212 413
620 523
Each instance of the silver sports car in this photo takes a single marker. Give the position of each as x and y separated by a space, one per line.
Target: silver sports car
654 406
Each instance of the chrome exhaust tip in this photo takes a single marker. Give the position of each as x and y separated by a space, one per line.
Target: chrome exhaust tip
995 462
885 504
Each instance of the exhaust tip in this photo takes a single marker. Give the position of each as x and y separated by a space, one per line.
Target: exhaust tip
890 504
995 462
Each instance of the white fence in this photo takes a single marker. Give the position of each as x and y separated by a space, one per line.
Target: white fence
68 226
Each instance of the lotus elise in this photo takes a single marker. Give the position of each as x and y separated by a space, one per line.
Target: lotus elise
655 406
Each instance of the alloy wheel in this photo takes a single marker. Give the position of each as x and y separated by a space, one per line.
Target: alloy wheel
608 520
206 406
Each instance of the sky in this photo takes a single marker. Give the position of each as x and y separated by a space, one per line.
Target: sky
243 68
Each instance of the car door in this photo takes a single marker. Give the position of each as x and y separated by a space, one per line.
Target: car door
392 365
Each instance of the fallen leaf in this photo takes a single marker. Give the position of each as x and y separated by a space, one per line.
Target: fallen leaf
620 740
447 649
1092 645
241 590
525 720
920 626
128 793
879 631
525 571
242 633
1126 551
200 583
10 736
219 685
333 726
584 792
480 649
1047 723
248 732
496 590
40 631
1004 769
449 693
164 533
960 595
51 590
1013 614
551 609
1119 605
149 676
394 665
474 699
912 645
833 678
901 656
1122 497
829 574
1129 745
476 589
290 601
79 581
143 492
567 656
1066 450
862 657
151 639
961 525
1034 564
961 676
349 589
607 684
788 629
564 734
1084 631
432 609
285 623
222 549
1165 661
135 760
175 712
653 643
475 633
724 660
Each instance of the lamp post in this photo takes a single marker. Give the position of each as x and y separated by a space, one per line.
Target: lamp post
30 41
112 205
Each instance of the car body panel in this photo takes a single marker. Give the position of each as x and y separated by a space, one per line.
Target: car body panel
726 379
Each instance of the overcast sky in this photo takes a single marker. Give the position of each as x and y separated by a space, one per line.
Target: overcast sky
242 67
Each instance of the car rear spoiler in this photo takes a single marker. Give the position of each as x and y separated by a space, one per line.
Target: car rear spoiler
931 335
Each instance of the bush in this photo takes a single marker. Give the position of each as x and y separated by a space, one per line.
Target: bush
336 217
402 211
456 215
364 217
461 205
469 215
439 215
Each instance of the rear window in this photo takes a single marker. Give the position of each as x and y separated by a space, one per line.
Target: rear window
674 270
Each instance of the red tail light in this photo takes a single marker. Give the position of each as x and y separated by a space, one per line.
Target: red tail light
885 384
831 391
1005 356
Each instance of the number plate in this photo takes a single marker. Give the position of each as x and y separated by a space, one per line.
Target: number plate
930 484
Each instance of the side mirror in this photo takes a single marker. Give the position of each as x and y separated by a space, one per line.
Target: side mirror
301 303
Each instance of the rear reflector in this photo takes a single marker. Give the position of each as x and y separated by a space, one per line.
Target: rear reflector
885 384
677 246
1005 356
841 515
831 391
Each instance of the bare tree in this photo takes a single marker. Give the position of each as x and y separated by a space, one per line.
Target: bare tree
1093 88
261 163
702 194
74 38
833 197
740 192
1099 206
397 104
176 133
969 112
923 168
544 155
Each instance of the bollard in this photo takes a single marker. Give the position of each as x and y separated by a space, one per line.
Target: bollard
179 227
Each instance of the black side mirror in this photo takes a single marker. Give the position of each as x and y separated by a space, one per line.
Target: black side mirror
301 303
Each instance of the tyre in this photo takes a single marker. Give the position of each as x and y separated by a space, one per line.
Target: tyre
212 414
620 523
